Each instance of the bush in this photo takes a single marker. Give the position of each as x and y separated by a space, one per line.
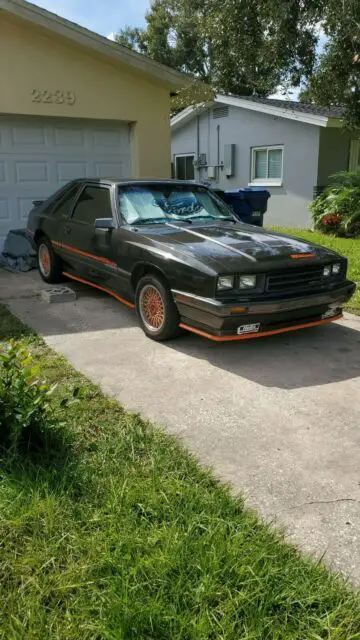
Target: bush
337 209
26 416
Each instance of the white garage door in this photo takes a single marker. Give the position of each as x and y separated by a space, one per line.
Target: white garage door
39 155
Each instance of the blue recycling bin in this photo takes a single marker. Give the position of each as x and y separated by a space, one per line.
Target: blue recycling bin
248 204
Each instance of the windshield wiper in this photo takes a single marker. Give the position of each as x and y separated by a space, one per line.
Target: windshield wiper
147 221
230 218
210 217
205 215
179 219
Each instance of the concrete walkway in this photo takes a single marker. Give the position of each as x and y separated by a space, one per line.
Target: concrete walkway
279 417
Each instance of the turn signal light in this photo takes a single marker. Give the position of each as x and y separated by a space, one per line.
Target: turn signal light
301 256
239 310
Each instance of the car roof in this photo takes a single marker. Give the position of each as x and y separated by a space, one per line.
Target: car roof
117 181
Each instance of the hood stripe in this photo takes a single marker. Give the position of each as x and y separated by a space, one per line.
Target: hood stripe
221 244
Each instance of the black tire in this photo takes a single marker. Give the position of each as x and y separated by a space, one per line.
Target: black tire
50 271
164 322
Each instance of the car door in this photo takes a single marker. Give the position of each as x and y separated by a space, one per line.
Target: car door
88 252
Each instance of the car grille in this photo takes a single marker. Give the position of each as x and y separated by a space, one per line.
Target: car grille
295 280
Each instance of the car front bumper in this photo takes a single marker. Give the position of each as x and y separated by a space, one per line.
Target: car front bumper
224 321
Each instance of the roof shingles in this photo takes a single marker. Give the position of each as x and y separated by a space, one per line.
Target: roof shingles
302 107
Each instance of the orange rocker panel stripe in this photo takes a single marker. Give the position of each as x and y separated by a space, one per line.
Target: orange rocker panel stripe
261 334
97 286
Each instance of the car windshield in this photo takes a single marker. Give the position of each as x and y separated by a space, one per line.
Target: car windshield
151 204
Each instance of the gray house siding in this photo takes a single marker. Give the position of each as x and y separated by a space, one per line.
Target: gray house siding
184 140
288 205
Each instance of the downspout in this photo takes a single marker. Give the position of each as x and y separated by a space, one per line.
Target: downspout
198 145
208 140
198 135
218 152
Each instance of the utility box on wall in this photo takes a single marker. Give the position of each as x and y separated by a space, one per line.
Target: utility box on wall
229 159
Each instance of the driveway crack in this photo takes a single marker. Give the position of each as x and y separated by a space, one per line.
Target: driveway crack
313 502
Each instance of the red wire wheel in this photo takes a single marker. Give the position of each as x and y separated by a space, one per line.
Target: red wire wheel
152 308
44 260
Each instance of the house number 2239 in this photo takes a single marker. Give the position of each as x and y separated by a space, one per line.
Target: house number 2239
53 97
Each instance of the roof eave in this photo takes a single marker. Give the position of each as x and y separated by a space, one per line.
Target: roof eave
289 114
187 114
52 22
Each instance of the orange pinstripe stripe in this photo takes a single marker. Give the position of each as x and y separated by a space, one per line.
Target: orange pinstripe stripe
67 247
262 334
97 286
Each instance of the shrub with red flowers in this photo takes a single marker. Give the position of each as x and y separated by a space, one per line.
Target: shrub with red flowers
337 209
331 220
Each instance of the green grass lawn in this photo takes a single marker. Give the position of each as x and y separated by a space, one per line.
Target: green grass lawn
123 536
348 247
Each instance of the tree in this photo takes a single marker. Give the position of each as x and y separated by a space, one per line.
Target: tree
251 47
173 36
244 47
336 78
258 45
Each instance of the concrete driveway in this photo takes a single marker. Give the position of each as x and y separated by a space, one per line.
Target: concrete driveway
278 418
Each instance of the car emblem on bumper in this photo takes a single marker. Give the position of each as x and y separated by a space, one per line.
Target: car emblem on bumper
248 328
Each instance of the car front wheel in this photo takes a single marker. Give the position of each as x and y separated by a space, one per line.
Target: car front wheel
48 262
156 309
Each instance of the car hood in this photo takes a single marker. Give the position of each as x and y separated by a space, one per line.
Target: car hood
230 247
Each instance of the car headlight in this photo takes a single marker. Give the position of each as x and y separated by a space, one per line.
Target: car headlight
247 282
225 282
336 268
327 271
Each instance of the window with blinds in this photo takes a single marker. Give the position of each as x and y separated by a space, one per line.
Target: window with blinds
184 167
267 164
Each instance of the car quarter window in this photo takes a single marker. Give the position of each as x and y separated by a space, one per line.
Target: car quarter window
93 203
63 205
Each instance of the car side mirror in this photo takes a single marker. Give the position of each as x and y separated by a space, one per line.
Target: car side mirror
37 203
104 223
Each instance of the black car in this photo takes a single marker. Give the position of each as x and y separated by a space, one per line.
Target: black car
175 252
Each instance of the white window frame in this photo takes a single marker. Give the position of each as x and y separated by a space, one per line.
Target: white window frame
266 182
183 155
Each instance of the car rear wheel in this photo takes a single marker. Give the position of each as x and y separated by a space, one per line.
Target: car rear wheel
48 262
156 309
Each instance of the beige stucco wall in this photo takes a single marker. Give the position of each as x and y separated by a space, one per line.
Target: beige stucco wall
32 58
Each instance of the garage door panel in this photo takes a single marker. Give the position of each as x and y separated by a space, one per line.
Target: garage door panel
66 171
111 169
37 156
3 172
67 137
24 135
104 140
32 172
4 210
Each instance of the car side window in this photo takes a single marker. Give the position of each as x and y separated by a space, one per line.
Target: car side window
93 203
64 206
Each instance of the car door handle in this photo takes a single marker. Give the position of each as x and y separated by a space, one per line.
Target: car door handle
67 229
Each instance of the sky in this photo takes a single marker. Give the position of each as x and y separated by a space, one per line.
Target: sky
106 17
